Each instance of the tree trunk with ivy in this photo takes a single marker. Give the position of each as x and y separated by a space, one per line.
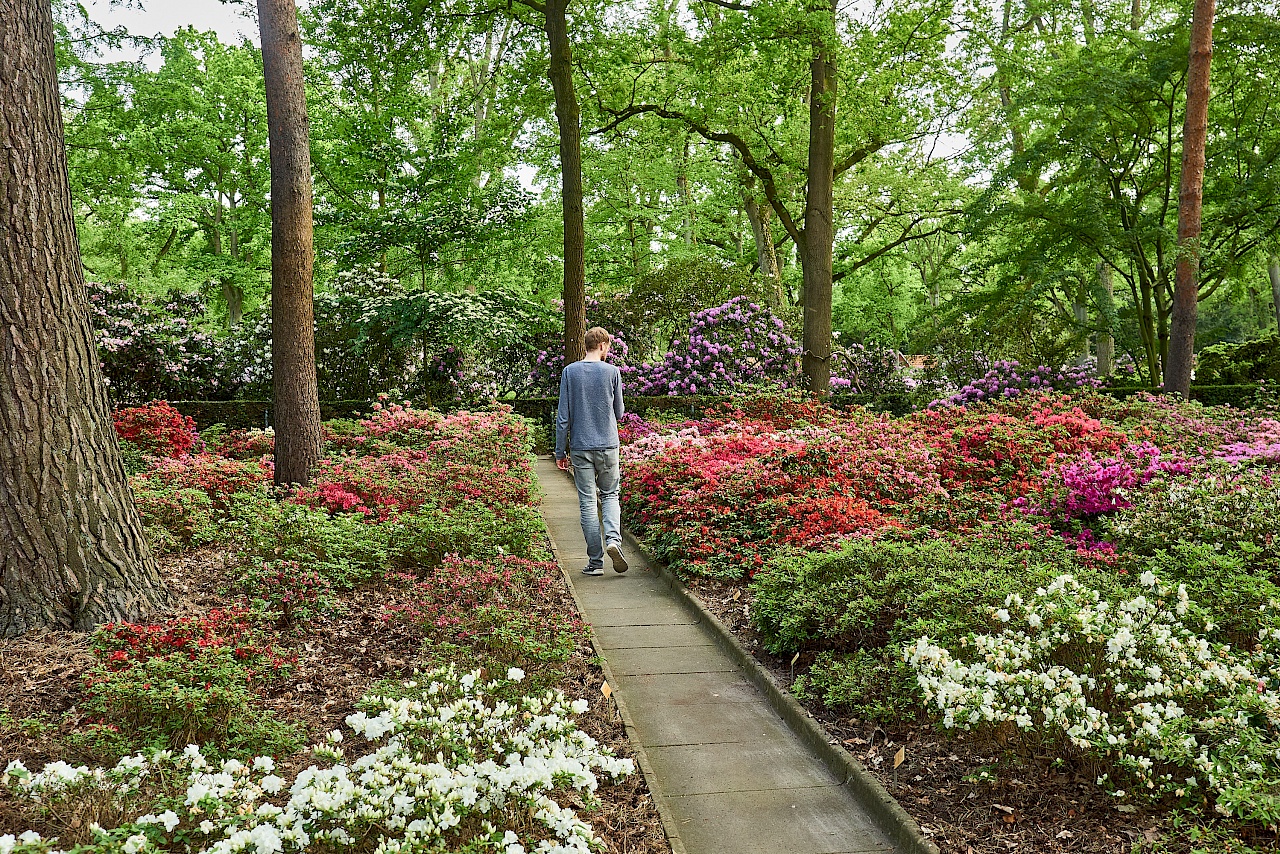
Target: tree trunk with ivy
1273 272
295 395
72 552
819 215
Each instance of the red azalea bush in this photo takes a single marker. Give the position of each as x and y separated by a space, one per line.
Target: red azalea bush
219 478
120 646
463 457
720 495
502 612
158 429
247 444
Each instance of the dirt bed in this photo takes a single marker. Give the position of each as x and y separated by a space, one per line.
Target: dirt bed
340 656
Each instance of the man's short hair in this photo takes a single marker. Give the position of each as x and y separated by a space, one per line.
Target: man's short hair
596 337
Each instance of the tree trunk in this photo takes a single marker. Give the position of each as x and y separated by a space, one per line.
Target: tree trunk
1186 288
234 295
686 195
296 400
1106 342
1273 271
818 220
72 552
575 240
1080 314
766 252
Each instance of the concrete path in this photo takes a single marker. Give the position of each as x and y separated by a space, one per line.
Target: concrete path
732 776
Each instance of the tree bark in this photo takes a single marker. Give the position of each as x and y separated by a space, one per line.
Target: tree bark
1186 288
234 296
766 252
568 118
1106 341
296 399
819 220
1080 314
72 552
1273 272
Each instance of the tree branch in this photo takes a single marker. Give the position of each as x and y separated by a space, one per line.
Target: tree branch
738 143
858 155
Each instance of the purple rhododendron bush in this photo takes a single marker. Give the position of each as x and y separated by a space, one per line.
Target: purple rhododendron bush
1061 580
386 659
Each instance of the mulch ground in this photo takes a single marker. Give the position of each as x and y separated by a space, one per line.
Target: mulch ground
1030 807
340 657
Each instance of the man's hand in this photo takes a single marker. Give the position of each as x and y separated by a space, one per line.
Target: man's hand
563 464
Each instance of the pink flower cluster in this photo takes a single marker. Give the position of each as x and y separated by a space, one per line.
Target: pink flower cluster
1261 444
1088 486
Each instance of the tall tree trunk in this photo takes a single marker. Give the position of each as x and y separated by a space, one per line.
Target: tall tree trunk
818 219
234 295
1147 327
766 253
296 399
575 239
1080 314
1273 272
686 195
72 553
1186 288
1106 341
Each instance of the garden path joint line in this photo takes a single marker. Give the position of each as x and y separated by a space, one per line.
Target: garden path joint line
734 778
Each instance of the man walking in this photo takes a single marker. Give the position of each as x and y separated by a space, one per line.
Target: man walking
587 438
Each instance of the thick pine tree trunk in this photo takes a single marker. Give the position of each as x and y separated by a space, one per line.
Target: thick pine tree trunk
1186 288
818 222
72 553
296 399
575 241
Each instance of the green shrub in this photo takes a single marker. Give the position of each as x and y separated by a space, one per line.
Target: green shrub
190 680
421 540
877 593
288 592
344 549
872 684
135 460
172 701
1241 363
858 606
1229 510
1231 584
175 519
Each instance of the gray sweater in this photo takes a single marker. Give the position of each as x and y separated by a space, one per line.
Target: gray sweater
590 406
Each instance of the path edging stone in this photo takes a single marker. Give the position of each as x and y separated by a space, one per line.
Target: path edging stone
888 814
669 824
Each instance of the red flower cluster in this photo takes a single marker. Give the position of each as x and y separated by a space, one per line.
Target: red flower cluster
718 496
218 477
157 429
479 457
121 645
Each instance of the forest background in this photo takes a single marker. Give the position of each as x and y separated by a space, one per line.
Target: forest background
1006 180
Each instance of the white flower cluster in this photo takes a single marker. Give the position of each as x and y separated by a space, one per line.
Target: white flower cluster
450 764
1129 684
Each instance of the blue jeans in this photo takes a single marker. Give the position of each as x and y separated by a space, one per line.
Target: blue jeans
597 471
